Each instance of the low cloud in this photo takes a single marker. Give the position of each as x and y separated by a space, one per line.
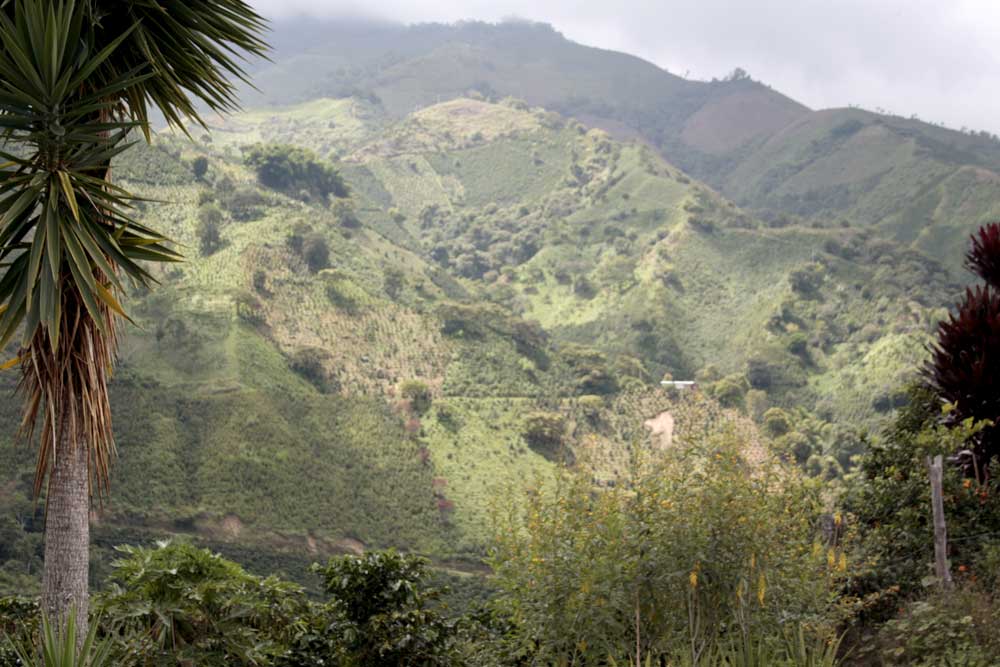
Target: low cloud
938 60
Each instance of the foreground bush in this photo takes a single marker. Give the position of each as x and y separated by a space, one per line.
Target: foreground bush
382 601
704 551
177 604
960 627
891 502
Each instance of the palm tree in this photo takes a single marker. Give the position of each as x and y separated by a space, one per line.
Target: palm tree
77 77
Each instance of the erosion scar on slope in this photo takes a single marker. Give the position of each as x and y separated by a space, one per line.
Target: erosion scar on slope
661 430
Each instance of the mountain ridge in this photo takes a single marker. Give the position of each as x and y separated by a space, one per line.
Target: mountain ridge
730 133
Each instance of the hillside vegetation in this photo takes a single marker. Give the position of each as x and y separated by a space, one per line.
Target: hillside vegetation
409 398
921 185
501 290
501 293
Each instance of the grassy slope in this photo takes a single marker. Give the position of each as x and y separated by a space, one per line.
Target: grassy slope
918 184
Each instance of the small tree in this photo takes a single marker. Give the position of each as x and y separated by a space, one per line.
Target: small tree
807 279
386 606
777 422
418 394
209 223
345 214
392 282
315 252
309 362
199 167
544 431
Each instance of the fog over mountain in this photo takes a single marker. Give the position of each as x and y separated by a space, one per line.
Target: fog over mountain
936 60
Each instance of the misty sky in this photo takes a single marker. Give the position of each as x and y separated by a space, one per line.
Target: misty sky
939 59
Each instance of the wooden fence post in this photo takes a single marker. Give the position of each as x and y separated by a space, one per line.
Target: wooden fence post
941 569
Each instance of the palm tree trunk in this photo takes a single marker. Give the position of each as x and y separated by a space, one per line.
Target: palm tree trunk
67 534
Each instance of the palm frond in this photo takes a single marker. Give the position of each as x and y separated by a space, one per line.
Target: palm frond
194 48
71 92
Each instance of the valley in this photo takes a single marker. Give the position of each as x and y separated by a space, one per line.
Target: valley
494 245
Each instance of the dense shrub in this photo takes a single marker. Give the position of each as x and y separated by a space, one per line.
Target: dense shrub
798 344
760 372
310 363
248 309
891 503
345 215
297 237
294 171
199 167
418 394
543 431
393 281
729 391
19 619
476 321
386 608
177 603
315 252
699 550
944 628
807 279
244 204
591 371
259 281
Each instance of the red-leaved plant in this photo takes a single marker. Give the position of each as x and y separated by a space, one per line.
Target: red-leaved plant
964 369
983 258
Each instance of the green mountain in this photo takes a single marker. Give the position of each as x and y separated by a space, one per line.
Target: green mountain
924 186
500 294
